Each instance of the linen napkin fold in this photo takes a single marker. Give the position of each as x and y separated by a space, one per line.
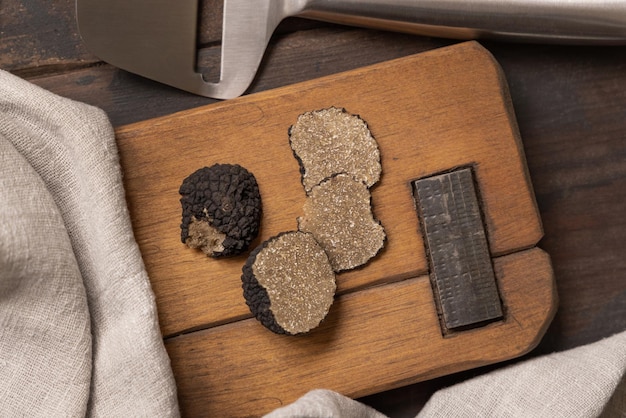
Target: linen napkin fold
584 382
79 331
587 381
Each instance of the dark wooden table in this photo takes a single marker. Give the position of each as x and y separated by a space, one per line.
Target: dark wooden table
570 104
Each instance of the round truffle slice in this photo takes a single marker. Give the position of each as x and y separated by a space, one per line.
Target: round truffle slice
288 283
332 141
221 209
339 215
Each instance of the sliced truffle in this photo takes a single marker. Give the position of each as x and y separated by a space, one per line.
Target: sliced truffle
288 283
332 141
221 209
339 215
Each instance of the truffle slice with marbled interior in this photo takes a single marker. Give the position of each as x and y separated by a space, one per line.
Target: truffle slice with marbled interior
339 215
288 283
332 141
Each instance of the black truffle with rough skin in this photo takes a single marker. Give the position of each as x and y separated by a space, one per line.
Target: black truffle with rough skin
221 209
288 283
256 295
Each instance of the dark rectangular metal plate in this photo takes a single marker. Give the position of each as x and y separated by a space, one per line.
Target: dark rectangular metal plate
460 262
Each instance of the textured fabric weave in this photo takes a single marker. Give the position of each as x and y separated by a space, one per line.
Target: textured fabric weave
325 403
584 382
576 383
79 331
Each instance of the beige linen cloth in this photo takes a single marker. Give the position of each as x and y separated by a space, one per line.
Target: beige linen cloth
79 334
78 323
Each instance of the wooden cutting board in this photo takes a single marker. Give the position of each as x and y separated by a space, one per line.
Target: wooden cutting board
430 114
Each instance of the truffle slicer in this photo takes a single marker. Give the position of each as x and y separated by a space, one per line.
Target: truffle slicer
157 38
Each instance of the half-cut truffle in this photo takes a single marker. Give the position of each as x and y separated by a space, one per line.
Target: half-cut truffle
332 141
339 215
288 283
221 209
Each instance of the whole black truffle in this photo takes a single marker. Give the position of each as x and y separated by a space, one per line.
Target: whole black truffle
288 283
221 209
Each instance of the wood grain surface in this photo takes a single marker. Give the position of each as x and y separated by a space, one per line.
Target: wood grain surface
569 102
429 113
373 340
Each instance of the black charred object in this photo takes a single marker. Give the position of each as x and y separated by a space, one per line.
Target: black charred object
221 210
